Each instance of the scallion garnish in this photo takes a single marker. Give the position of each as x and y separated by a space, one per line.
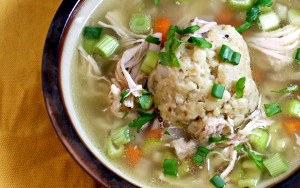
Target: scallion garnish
272 109
170 167
266 3
218 91
289 89
200 155
167 133
297 56
124 95
189 29
253 14
217 181
201 42
258 159
239 86
142 120
156 2
244 27
152 39
228 55
91 32
217 139
146 101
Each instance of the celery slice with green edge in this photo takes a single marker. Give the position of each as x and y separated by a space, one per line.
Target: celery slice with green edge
140 23
276 165
120 136
294 17
112 150
240 4
259 140
269 21
292 108
106 46
150 61
88 45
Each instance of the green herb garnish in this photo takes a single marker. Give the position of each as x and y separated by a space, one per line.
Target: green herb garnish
289 89
189 29
200 155
152 39
146 101
244 27
142 120
124 95
167 133
218 91
156 2
201 42
240 86
258 159
217 181
272 109
217 139
170 167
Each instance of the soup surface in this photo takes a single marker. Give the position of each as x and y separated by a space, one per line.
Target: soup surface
192 92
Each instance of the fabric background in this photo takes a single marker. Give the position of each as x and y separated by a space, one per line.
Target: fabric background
31 154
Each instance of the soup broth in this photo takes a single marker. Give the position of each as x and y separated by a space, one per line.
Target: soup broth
144 155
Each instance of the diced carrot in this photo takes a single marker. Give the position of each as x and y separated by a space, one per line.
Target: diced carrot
162 25
291 126
155 133
133 154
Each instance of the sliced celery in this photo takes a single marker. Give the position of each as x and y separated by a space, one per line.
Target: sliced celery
249 183
240 4
140 23
106 46
184 168
259 140
151 145
236 174
276 165
120 136
269 21
281 11
149 62
112 150
294 17
292 107
88 44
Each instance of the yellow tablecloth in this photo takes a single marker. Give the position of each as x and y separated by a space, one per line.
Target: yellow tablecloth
31 154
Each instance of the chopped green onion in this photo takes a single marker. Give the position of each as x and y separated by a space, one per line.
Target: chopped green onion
259 140
269 21
140 23
170 167
106 46
294 17
276 165
266 3
240 4
203 151
112 150
200 155
272 109
217 139
124 95
297 56
240 86
149 62
242 28
152 39
218 91
292 107
289 89
91 32
201 42
253 14
156 2
142 120
167 133
217 181
146 101
189 29
120 136
236 57
198 159
88 44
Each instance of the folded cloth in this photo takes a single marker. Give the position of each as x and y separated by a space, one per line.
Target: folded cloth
31 155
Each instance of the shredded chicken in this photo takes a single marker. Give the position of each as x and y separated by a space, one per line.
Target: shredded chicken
277 46
183 148
233 159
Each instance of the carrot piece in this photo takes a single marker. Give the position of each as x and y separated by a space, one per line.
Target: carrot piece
162 25
291 126
155 133
133 154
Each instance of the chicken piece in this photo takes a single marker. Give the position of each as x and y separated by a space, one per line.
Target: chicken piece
183 148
